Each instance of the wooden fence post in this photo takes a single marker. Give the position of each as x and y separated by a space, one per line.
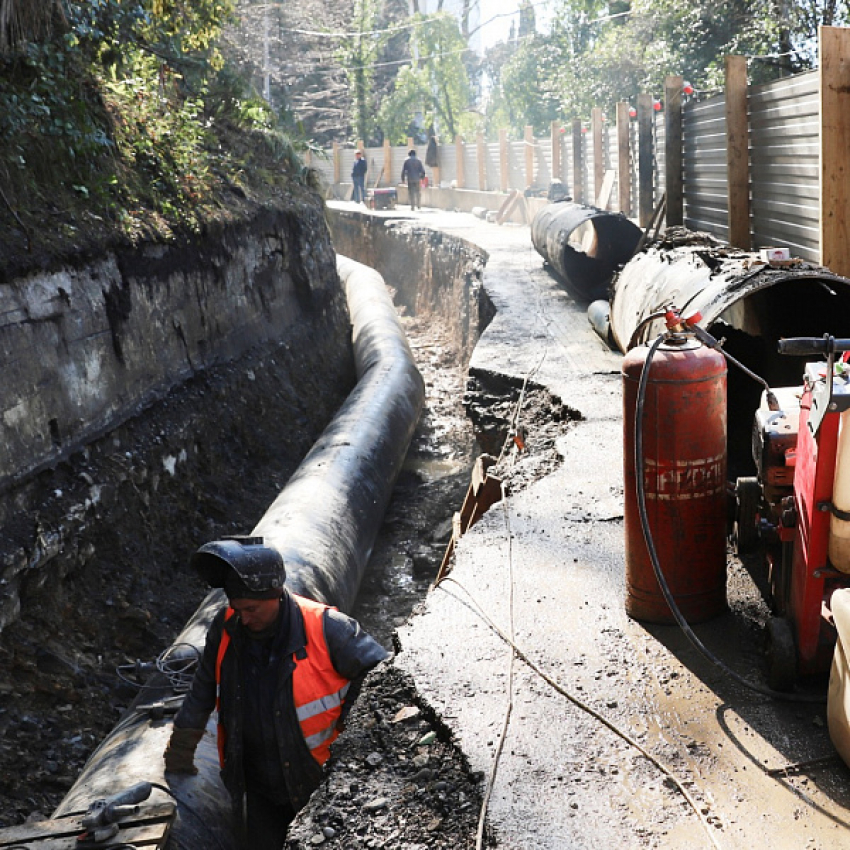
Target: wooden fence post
387 169
578 163
530 144
460 177
555 144
624 159
645 175
481 156
675 214
834 142
504 174
337 164
738 152
598 159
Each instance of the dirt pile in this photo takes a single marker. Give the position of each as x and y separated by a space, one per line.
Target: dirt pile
397 780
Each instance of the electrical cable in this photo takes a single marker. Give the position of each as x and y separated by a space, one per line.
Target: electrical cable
474 606
656 564
178 670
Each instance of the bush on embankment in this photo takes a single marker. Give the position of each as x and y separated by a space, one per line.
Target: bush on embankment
119 121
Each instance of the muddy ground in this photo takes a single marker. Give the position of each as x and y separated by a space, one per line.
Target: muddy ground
397 779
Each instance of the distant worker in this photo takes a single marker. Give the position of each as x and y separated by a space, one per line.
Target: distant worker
282 671
358 178
413 173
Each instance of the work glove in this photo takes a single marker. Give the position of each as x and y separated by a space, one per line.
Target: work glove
179 755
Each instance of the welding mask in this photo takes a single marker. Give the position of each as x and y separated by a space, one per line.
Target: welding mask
243 566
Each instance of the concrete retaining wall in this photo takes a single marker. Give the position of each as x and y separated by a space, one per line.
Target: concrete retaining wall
153 390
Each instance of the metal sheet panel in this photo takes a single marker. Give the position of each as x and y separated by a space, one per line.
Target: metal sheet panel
706 204
785 164
448 163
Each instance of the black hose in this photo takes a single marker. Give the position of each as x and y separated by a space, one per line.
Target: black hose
653 554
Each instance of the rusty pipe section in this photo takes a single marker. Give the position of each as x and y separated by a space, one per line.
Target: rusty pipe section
745 302
585 245
728 287
324 522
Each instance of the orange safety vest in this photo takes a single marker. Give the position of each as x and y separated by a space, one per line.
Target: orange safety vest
318 689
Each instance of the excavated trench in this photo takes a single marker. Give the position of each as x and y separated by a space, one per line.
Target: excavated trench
67 660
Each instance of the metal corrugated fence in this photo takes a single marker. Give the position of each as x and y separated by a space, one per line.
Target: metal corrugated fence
785 164
704 166
784 147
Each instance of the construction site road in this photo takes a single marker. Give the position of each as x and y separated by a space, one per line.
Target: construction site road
600 731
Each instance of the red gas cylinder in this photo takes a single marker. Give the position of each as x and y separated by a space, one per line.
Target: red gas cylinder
684 447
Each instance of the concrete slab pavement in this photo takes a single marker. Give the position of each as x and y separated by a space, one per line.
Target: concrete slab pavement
547 566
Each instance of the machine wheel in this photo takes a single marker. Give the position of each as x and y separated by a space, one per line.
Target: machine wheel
781 655
745 536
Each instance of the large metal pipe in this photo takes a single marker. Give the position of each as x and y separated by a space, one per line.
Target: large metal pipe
584 245
325 522
747 302
698 274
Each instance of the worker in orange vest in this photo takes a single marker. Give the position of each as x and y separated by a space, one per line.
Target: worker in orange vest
282 671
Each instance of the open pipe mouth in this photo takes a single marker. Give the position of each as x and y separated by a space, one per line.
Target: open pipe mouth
584 245
744 302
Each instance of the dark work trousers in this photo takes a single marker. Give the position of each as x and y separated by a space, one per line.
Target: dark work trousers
266 822
413 191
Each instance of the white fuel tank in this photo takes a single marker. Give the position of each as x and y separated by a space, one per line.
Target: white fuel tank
839 529
838 699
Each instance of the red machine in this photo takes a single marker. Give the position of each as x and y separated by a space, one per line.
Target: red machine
798 509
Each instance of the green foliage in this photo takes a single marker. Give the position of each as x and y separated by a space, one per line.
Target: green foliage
122 114
357 55
527 95
602 52
435 85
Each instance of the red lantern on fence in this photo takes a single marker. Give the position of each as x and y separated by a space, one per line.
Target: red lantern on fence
657 105
687 89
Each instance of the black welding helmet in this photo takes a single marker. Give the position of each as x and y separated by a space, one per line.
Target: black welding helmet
243 566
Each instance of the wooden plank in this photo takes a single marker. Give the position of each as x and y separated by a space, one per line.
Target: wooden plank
835 142
598 159
555 142
738 152
481 156
504 168
460 177
645 158
674 184
149 828
624 160
529 156
578 163
605 189
508 206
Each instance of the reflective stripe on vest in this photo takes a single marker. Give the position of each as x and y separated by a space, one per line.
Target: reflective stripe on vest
319 691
